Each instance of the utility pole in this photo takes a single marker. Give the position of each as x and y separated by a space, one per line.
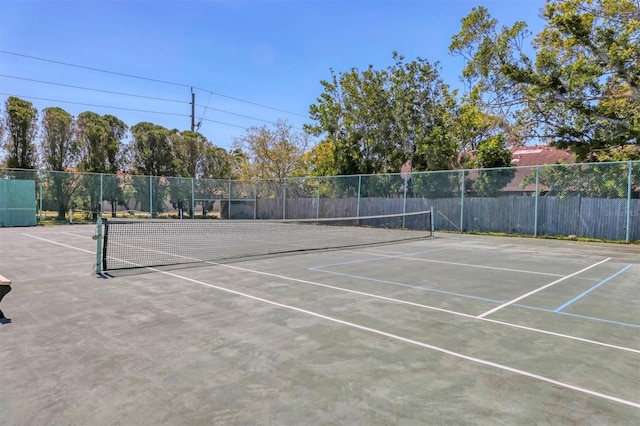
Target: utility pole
193 111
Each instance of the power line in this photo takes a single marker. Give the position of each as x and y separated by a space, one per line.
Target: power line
140 96
143 110
94 90
94 105
260 105
241 115
93 69
153 80
204 112
226 124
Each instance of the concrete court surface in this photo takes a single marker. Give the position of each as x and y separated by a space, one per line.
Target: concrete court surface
427 332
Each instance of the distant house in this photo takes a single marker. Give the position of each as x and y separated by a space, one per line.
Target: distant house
527 157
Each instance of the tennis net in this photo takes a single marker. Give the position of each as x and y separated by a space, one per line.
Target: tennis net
131 243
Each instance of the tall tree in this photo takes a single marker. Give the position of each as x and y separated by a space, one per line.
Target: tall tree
59 153
494 155
581 91
2 131
100 139
189 148
216 164
58 144
272 153
152 154
380 119
21 128
320 160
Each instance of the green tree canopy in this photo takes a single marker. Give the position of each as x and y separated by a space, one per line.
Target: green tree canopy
580 89
272 153
380 119
100 139
59 151
21 124
152 151
492 154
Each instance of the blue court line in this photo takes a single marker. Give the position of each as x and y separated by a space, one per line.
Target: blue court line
467 296
560 308
406 285
535 308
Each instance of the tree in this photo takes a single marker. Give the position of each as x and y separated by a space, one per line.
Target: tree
216 163
112 185
2 131
272 153
593 180
100 139
152 154
581 91
494 158
320 160
60 152
190 155
380 119
473 124
21 128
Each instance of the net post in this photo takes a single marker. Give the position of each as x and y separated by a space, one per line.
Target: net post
98 238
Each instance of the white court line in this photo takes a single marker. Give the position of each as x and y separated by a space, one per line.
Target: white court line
495 268
413 342
517 299
74 235
406 340
399 301
433 308
60 244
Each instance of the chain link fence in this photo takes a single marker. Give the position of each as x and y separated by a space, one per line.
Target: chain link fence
596 200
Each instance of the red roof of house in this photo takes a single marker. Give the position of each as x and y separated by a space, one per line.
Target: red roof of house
538 155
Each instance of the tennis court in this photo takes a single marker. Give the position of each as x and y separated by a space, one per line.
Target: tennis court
448 329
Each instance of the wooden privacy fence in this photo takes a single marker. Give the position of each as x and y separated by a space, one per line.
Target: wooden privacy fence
602 218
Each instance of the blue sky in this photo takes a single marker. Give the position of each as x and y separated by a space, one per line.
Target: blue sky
270 52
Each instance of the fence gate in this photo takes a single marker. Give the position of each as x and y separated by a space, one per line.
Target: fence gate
17 202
